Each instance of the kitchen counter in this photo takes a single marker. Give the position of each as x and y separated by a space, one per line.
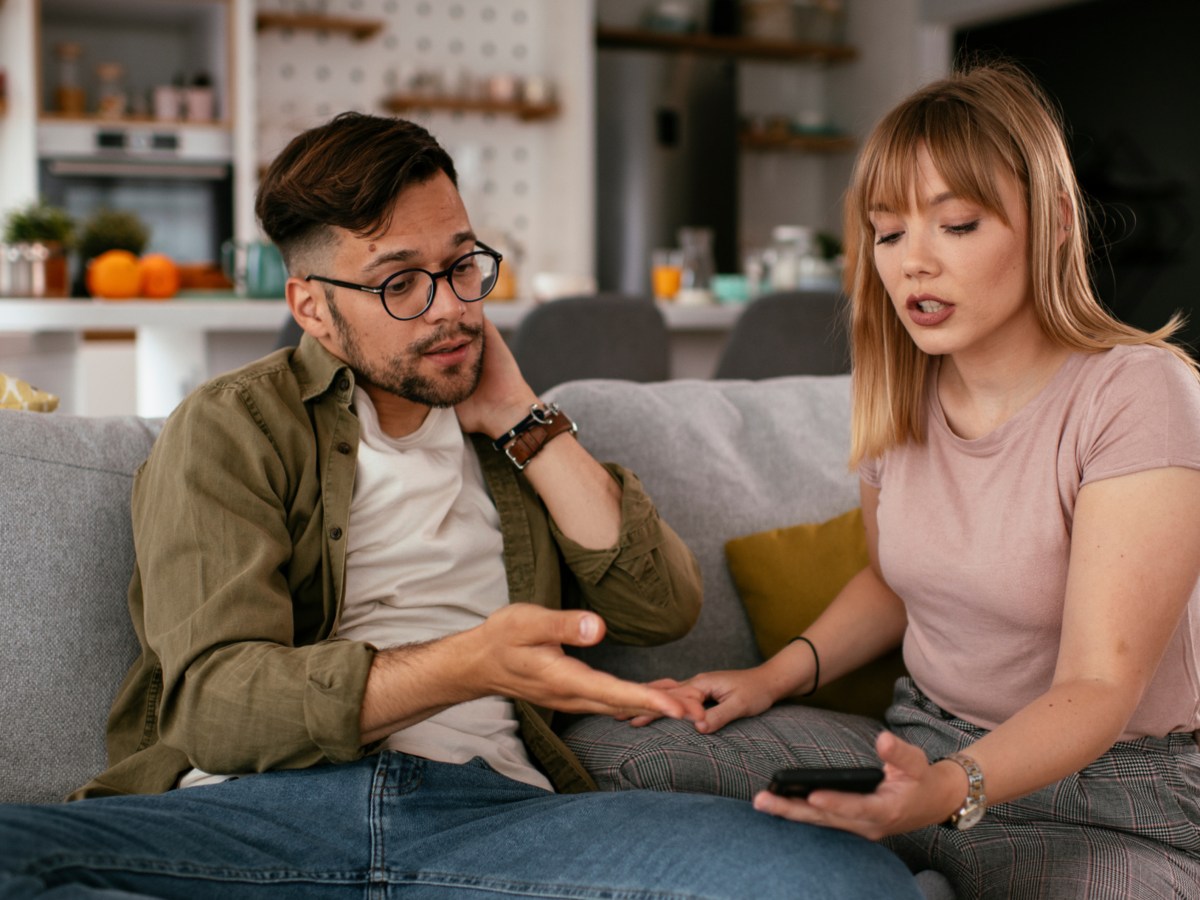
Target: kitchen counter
214 314
181 342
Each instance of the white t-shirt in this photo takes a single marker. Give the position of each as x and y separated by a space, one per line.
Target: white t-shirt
425 559
975 535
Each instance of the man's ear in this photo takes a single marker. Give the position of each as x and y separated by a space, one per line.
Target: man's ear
310 309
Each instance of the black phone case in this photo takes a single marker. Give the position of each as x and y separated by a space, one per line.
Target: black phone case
799 782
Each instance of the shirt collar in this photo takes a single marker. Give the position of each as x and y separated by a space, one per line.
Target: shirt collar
317 370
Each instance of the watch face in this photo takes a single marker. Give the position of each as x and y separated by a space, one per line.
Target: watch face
969 817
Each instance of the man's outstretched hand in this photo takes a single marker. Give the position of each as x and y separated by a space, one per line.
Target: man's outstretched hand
522 657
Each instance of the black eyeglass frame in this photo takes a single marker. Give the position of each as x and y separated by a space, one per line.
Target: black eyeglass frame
447 273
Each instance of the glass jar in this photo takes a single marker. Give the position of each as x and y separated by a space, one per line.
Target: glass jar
696 265
507 285
111 100
70 98
771 20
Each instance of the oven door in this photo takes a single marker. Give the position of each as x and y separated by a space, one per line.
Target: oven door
183 196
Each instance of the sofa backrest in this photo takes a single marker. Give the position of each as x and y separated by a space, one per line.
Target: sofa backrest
65 637
720 459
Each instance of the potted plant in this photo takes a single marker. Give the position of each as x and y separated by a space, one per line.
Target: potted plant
109 229
33 251
112 229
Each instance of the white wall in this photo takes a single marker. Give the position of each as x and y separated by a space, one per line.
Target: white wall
529 181
18 161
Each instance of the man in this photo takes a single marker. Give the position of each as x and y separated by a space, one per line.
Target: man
358 563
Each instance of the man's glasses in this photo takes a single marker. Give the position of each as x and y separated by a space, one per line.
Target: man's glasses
407 294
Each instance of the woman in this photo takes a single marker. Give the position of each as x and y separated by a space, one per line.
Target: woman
1031 493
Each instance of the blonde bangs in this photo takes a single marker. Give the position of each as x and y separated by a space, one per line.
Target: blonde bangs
966 149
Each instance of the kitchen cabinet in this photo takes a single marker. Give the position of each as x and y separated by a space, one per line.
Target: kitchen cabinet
156 40
140 46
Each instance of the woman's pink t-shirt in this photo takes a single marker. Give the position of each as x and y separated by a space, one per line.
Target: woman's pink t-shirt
975 535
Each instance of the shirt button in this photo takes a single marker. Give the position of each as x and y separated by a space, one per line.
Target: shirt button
344 447
344 384
335 533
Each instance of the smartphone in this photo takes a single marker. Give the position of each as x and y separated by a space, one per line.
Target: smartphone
798 782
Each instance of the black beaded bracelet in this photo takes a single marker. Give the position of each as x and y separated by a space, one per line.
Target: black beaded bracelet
816 663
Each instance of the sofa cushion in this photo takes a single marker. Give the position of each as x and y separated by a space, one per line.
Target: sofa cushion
787 576
67 641
720 459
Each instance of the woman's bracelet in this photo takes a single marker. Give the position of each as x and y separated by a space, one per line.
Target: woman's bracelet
816 664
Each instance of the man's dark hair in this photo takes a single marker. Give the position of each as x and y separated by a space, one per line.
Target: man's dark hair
346 173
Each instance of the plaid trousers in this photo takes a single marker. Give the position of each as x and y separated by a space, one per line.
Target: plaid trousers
1127 827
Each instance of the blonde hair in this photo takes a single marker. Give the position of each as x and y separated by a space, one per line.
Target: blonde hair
974 124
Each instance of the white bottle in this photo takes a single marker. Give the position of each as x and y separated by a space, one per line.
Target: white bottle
792 253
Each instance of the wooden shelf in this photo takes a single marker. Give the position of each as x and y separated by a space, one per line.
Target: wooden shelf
718 45
797 143
529 112
49 115
359 29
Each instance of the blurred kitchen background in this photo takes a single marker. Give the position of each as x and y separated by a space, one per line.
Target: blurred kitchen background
588 133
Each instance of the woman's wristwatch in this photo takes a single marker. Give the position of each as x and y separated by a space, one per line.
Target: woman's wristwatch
974 806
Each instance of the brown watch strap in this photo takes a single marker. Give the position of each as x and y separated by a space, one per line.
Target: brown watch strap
526 445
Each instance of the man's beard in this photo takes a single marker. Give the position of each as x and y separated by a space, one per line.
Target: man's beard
399 375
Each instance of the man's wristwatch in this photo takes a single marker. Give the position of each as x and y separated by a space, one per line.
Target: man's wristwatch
975 805
524 441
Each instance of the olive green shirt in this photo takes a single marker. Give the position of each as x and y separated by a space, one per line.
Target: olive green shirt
240 516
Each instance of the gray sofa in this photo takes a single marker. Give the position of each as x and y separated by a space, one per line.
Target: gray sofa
720 458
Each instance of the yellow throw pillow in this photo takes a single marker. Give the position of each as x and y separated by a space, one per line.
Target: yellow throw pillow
17 394
787 576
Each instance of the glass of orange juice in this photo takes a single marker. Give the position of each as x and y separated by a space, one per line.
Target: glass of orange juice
666 272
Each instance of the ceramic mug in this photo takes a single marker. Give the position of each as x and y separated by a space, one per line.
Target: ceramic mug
255 267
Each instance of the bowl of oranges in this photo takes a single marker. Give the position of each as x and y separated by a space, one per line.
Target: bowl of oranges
123 275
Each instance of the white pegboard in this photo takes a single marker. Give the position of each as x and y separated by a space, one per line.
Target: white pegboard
304 77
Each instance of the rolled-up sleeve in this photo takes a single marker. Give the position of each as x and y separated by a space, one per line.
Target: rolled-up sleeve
647 587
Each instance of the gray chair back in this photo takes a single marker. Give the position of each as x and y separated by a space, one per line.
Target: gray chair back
594 336
788 333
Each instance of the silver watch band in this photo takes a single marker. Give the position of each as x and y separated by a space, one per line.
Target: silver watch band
973 807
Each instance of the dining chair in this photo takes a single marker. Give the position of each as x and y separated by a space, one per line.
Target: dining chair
788 333
603 335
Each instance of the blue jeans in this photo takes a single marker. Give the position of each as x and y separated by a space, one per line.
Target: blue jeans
394 825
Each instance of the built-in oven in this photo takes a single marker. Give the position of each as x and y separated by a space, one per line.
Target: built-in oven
177 179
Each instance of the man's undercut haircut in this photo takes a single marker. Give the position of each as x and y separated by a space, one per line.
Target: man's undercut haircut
346 173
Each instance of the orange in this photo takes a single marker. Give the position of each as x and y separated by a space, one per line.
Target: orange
114 275
160 276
